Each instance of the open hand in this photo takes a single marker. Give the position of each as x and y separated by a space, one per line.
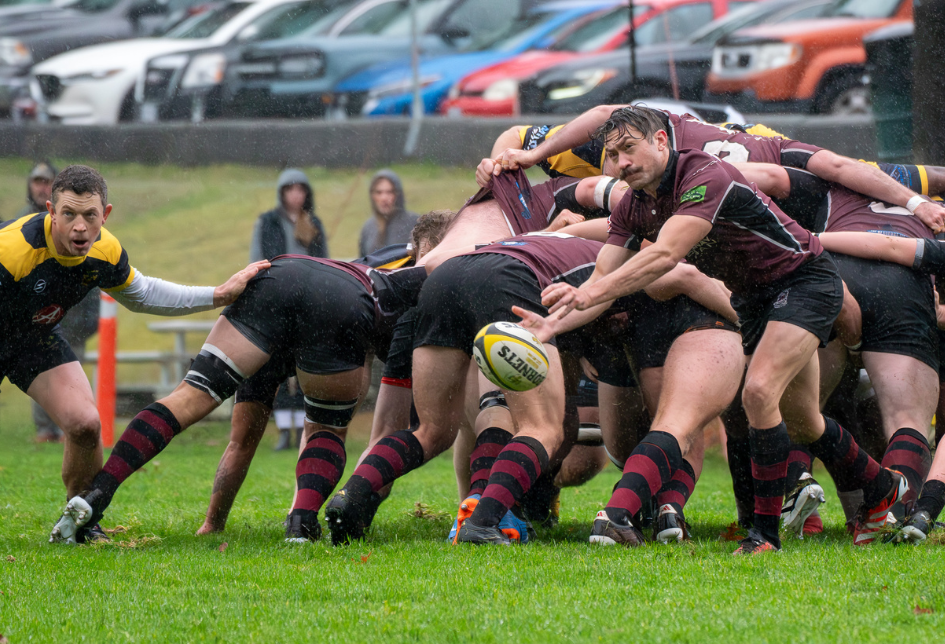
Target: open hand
564 218
227 292
543 328
565 298
932 215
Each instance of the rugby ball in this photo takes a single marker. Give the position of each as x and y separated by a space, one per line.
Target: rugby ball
510 356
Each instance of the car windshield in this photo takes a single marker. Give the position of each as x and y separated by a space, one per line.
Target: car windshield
596 32
203 25
865 8
10 3
512 36
285 21
91 6
427 12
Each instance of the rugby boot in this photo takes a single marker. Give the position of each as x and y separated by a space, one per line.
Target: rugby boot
517 529
813 524
608 532
914 530
91 534
481 535
348 519
870 521
755 544
77 513
801 503
302 526
465 511
670 527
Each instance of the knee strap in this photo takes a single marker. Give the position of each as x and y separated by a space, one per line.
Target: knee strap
330 413
492 399
214 373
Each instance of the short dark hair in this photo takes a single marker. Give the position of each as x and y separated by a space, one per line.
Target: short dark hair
432 227
644 120
80 179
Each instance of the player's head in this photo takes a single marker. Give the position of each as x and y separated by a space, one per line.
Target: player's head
77 210
637 146
430 230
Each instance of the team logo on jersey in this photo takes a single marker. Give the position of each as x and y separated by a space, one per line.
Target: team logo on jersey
516 243
48 314
39 286
694 195
782 299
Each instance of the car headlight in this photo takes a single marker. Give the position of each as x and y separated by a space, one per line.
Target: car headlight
751 59
583 82
204 70
310 66
501 90
401 87
14 53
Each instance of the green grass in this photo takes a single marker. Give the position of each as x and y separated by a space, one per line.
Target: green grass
157 581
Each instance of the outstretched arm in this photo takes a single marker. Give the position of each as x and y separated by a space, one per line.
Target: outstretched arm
885 248
873 182
159 297
688 280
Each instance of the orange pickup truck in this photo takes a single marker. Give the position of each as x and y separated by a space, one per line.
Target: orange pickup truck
815 65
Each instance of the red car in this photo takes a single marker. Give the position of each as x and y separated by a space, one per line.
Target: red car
493 91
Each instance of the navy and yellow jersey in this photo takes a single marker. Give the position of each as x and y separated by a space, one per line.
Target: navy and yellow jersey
389 257
586 160
38 286
914 177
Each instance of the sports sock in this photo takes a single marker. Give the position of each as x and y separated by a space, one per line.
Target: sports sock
146 436
514 472
538 503
319 469
739 464
678 489
650 466
849 465
769 453
908 453
932 498
799 460
391 458
489 444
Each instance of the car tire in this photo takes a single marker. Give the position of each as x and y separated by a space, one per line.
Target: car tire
844 94
129 108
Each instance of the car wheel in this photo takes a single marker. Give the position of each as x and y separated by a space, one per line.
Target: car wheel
845 96
128 108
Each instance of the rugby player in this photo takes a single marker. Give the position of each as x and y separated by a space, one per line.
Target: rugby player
48 263
687 132
786 291
331 317
900 343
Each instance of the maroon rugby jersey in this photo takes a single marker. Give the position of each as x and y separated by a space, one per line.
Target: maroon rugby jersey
553 257
752 242
849 211
527 208
686 132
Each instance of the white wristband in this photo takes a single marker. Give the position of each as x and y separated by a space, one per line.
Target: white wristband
914 203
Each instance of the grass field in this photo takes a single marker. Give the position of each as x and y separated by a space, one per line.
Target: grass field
156 581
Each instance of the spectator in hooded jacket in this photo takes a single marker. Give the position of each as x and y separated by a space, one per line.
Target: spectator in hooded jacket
392 222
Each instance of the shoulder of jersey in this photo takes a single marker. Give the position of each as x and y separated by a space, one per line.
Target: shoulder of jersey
106 248
389 257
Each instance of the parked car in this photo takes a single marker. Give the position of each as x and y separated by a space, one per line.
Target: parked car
815 65
388 85
676 70
95 85
31 33
178 87
296 76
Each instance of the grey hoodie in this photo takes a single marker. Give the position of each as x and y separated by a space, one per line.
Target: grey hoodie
274 233
399 225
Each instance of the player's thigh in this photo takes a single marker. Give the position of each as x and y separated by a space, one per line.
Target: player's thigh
539 412
439 381
784 349
907 390
331 399
833 359
651 386
800 403
64 392
245 356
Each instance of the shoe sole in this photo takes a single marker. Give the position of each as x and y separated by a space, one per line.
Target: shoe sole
913 535
602 540
76 514
296 540
672 535
813 496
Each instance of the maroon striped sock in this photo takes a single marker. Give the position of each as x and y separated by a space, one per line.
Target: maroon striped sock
650 466
769 454
799 460
489 444
391 458
319 469
849 465
909 454
513 474
677 491
146 436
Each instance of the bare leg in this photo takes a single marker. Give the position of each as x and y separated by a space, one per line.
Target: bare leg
439 377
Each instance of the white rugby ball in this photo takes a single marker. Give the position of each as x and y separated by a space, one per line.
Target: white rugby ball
510 356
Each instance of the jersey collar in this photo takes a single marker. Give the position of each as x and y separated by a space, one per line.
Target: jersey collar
65 260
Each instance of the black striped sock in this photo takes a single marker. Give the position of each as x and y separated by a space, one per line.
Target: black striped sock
678 489
650 466
799 460
932 499
849 465
769 453
739 464
391 458
908 453
489 444
319 469
514 472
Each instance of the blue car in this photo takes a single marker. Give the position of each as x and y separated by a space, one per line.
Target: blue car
386 88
